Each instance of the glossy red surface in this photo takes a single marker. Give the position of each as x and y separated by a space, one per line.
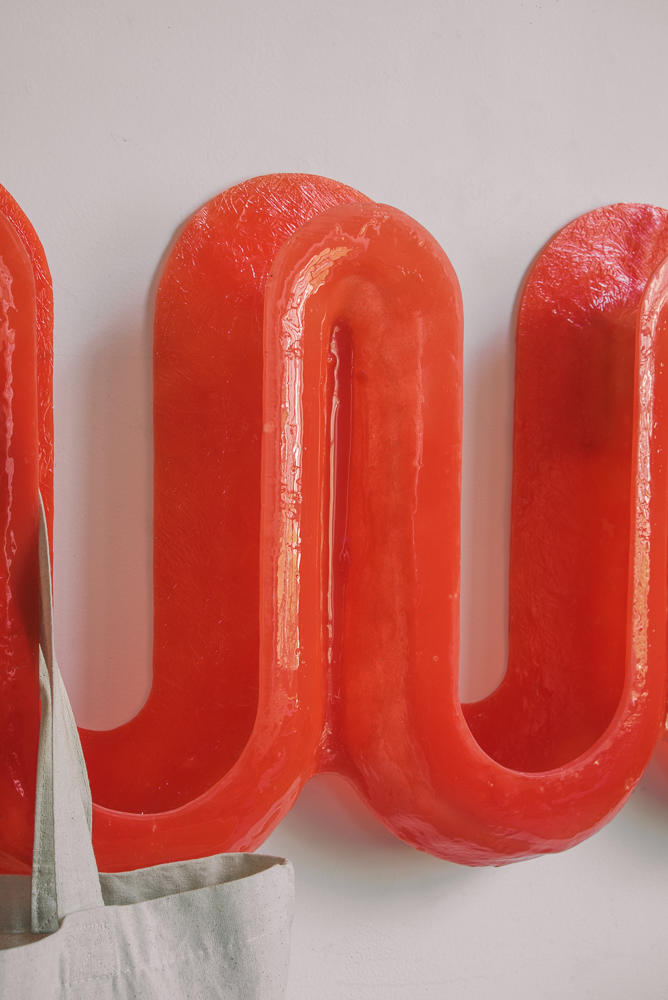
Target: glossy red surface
307 481
26 463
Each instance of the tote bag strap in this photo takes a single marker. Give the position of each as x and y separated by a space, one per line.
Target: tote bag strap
65 876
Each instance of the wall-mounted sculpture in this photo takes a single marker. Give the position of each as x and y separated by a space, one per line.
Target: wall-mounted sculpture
308 355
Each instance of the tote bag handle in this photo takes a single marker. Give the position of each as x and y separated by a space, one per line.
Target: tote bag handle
65 875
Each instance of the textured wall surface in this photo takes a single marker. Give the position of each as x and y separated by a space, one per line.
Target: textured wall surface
493 124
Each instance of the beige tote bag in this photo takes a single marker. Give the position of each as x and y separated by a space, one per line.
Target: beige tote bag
212 928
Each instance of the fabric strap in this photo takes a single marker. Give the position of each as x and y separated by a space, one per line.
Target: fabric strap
65 876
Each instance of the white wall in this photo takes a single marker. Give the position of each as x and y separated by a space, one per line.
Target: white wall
491 123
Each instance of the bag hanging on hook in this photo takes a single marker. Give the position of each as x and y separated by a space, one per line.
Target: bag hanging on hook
213 927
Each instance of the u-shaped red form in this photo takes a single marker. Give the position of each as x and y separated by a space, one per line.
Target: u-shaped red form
307 489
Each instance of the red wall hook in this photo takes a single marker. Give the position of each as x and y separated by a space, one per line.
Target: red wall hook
307 481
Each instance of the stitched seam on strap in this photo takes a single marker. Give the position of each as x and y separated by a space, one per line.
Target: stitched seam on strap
43 894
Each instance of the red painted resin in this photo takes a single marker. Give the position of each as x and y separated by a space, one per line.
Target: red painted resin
307 485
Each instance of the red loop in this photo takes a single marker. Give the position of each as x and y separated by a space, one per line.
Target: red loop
307 536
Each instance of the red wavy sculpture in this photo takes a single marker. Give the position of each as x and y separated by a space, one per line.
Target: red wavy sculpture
307 474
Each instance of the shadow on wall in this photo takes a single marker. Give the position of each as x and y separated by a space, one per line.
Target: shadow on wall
649 805
115 537
331 827
487 464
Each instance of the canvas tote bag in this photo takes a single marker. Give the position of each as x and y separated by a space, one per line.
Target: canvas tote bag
209 928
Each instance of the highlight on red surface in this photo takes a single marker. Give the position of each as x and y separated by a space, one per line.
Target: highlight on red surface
307 404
